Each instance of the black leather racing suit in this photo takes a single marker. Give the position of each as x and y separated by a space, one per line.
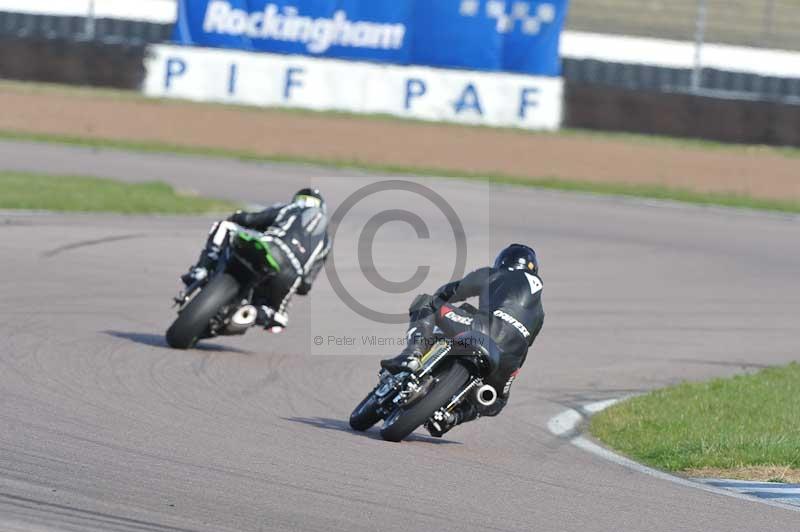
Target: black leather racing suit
510 312
298 240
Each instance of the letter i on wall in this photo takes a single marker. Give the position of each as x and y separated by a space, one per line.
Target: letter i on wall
233 74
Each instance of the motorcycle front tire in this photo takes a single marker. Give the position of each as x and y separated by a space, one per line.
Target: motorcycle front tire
365 414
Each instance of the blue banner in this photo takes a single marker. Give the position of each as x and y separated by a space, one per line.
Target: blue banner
504 35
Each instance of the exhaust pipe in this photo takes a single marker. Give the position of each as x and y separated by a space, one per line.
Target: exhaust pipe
486 395
242 319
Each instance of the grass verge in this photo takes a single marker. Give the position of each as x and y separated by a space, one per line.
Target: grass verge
745 426
91 194
636 138
611 189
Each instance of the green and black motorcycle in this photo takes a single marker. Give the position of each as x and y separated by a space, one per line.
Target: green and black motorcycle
220 304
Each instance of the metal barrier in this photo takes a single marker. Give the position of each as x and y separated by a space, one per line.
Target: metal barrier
712 82
760 23
752 23
75 28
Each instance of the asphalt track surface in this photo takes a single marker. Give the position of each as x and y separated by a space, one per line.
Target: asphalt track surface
103 428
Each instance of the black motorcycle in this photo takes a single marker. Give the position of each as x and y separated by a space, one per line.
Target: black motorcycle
220 304
442 379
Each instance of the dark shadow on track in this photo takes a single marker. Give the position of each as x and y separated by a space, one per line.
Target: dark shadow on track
343 426
157 340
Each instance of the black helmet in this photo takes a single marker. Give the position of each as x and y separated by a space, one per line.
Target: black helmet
309 197
517 257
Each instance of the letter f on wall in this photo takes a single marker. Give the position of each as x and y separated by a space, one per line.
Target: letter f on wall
292 80
528 98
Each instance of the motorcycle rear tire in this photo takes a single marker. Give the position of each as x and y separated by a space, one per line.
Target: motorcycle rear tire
194 318
450 382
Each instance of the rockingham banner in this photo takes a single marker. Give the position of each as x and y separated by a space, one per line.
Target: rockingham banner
503 35
471 97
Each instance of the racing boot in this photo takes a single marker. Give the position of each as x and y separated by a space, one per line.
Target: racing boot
198 272
408 360
272 321
195 273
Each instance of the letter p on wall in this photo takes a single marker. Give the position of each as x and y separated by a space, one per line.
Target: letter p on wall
414 89
176 67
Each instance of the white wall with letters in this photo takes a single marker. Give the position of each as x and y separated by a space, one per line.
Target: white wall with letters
488 98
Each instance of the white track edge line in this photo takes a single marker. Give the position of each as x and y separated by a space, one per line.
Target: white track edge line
565 425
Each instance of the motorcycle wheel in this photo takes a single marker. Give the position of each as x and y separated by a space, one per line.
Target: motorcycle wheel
193 319
365 414
404 421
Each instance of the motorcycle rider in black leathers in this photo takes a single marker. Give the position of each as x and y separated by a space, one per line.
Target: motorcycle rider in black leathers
298 238
508 318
